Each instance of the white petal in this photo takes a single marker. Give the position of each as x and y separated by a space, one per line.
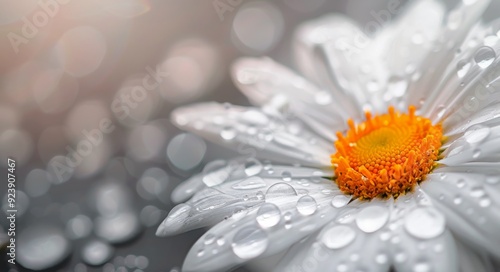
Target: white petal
244 238
241 192
472 259
407 40
332 51
249 130
262 80
459 22
345 244
470 211
471 92
479 144
419 238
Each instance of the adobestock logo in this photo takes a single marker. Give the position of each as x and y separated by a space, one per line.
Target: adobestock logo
39 19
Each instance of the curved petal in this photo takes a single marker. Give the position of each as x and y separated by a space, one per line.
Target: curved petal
250 131
470 211
471 87
408 39
332 52
220 171
471 260
478 144
212 205
419 239
459 22
262 232
262 80
350 243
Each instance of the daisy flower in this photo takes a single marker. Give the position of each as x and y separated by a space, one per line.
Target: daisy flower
383 155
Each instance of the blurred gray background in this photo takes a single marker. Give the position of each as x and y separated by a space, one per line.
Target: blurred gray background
67 65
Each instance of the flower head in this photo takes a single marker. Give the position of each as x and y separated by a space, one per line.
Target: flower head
385 154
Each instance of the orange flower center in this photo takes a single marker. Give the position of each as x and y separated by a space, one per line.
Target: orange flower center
386 155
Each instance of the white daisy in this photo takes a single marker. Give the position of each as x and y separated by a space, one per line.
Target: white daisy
411 181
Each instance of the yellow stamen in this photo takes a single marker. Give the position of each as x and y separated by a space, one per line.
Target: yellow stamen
387 155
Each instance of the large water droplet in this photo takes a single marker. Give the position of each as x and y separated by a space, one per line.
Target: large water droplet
338 237
476 153
340 201
41 247
250 183
397 86
268 215
286 176
463 68
476 134
306 205
485 56
372 218
96 253
249 242
279 190
425 223
228 133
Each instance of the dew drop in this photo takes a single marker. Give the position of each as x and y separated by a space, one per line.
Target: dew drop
249 242
268 215
381 258
306 205
424 223
476 153
477 192
463 68
457 200
253 167
421 267
477 134
286 176
397 86
491 179
485 202
209 239
340 201
485 56
372 218
280 190
338 237
323 98
228 133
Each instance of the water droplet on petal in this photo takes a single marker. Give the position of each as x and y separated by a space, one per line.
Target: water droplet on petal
425 223
485 56
279 190
286 176
253 167
268 215
476 153
381 258
340 201
422 266
338 237
397 86
372 218
463 67
306 205
249 242
477 134
485 202
228 133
